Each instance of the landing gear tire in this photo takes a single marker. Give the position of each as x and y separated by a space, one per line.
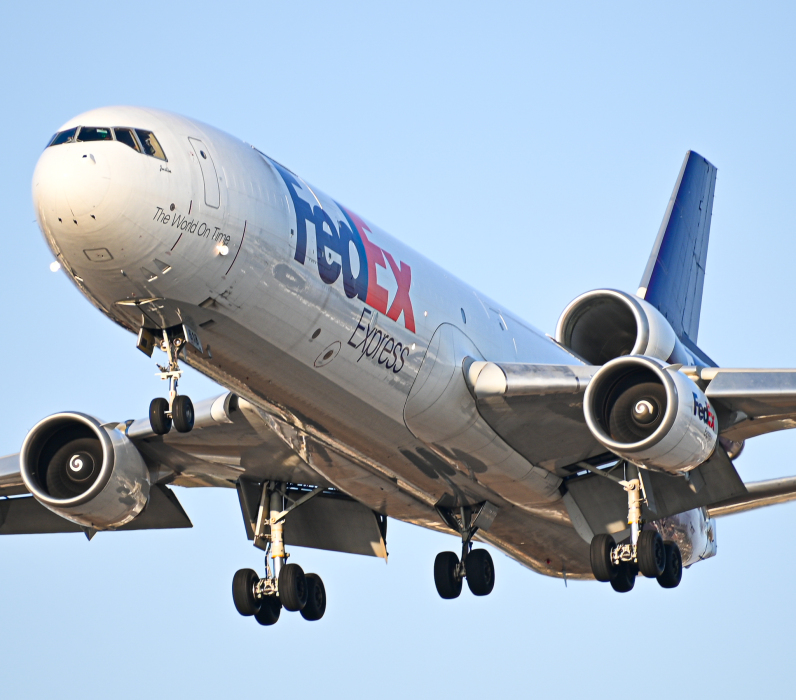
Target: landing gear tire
650 553
480 572
673 572
158 416
316 598
268 612
292 587
183 414
624 578
446 578
243 584
600 554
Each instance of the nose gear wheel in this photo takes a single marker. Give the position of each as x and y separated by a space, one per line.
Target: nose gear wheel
177 410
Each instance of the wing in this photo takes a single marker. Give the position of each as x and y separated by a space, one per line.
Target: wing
750 402
233 445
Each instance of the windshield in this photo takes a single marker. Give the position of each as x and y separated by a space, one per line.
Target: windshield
150 144
139 140
94 133
67 136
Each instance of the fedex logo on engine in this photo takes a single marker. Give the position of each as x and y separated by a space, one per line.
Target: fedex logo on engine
704 413
334 241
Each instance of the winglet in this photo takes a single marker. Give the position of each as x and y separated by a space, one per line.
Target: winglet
675 272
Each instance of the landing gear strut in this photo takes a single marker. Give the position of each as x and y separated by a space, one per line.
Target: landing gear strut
645 553
178 409
284 585
475 565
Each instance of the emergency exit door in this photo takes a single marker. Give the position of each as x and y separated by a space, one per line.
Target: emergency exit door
209 175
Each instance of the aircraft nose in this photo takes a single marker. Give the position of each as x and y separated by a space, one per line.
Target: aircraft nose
70 184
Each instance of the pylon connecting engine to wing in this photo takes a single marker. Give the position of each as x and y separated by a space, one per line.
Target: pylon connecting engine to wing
651 414
84 471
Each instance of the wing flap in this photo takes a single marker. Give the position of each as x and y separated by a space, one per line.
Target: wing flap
26 516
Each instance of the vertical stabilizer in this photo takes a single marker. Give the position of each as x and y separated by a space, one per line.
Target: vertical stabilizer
675 272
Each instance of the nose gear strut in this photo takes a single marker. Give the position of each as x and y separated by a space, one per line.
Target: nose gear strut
178 409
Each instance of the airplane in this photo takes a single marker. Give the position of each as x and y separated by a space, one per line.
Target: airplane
363 382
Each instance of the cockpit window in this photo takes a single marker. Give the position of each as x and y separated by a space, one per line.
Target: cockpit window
94 133
67 136
127 137
138 139
150 144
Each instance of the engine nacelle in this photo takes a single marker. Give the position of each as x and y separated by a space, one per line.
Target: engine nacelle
604 324
650 414
85 472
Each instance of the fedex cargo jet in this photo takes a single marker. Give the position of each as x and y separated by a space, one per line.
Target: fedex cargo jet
364 382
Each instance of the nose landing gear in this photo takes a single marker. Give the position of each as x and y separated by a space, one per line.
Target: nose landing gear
285 585
475 565
178 409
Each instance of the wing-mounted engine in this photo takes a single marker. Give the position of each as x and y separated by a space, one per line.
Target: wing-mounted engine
85 472
604 324
650 414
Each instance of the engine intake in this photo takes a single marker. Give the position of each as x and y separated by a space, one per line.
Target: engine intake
83 471
604 324
650 414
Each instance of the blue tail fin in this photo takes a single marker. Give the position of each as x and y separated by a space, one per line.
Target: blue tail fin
675 272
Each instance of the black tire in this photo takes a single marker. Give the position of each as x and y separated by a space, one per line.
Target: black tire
480 572
183 414
268 612
624 578
650 553
292 586
673 573
600 555
449 585
243 584
316 598
160 422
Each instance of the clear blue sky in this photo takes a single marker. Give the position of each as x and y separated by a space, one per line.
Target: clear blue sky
530 148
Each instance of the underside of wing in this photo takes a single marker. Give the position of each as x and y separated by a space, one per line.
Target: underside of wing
751 401
537 410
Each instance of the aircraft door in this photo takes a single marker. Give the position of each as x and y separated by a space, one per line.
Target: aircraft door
209 174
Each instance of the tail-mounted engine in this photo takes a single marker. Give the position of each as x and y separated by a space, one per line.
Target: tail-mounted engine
650 414
83 471
605 324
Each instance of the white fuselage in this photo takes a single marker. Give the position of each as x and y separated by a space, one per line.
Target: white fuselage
302 307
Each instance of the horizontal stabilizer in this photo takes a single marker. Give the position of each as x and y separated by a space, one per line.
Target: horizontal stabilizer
675 272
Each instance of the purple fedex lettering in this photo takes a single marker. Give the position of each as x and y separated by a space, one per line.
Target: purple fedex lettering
704 413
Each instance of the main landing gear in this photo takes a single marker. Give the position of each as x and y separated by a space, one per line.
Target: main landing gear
285 585
646 553
178 409
475 564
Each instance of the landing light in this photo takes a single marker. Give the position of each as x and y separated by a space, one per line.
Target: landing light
223 250
55 266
